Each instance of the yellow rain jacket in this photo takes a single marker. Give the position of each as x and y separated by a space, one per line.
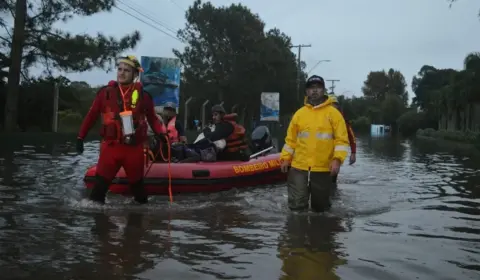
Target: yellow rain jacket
316 135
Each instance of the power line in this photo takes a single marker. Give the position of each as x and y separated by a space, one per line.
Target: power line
149 24
144 14
178 6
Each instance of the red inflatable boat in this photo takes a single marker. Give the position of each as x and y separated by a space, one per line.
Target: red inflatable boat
202 176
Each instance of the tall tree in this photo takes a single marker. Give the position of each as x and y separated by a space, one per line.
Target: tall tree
34 41
230 58
381 83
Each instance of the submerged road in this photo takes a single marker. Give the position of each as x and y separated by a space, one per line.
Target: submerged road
405 210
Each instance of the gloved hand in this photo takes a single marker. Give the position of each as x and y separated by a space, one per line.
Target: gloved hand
79 145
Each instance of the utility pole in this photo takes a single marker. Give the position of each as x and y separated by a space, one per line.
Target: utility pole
55 107
299 74
332 88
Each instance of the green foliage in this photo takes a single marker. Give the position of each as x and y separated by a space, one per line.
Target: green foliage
381 83
36 103
411 121
57 49
43 45
470 137
383 102
361 124
447 95
230 58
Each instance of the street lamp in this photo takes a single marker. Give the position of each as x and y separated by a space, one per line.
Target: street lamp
315 66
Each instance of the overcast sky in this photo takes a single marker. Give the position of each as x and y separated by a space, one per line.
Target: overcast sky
357 36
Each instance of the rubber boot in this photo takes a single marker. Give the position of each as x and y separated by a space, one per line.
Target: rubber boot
138 191
100 189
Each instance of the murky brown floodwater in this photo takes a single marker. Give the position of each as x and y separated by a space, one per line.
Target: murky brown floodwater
404 211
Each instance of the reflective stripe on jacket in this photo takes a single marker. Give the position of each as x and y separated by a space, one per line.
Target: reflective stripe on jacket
316 135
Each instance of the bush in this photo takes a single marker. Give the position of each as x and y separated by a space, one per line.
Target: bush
69 121
361 124
470 137
411 121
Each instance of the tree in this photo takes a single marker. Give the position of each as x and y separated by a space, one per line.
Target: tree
35 41
392 108
230 58
447 95
380 83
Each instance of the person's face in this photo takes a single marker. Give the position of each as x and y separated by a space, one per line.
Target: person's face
315 91
216 117
169 112
125 73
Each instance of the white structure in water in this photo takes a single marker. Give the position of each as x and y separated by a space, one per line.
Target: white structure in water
379 129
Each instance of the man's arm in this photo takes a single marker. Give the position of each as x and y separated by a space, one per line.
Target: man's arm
340 133
351 138
92 114
288 149
157 126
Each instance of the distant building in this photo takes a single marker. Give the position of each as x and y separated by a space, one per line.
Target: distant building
379 130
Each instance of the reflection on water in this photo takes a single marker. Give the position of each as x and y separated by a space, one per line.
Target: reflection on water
404 211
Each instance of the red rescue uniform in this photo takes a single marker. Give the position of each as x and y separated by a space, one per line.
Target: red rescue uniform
115 152
236 140
351 136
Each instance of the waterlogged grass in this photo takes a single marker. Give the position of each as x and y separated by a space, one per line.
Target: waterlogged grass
469 137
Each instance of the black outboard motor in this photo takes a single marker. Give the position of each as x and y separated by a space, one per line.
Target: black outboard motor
261 139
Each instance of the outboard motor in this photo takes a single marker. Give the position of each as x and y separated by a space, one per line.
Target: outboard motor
261 138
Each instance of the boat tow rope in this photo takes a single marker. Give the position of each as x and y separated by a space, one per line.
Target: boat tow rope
167 159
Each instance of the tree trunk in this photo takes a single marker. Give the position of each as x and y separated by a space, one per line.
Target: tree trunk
11 104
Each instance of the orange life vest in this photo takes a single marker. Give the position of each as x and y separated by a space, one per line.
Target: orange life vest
235 141
115 101
172 131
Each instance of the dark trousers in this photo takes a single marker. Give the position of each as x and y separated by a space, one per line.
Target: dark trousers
300 191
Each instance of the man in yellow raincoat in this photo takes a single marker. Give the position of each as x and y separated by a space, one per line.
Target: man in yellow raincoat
315 147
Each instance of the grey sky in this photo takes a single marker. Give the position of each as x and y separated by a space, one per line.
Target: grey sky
358 36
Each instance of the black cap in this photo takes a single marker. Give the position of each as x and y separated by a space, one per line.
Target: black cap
315 80
218 109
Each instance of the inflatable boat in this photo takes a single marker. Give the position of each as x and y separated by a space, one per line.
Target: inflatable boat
202 176
263 168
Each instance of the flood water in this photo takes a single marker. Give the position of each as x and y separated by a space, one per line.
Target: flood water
405 210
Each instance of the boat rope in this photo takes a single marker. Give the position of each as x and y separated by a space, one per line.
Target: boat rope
166 159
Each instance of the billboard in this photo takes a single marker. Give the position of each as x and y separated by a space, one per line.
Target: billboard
270 106
161 78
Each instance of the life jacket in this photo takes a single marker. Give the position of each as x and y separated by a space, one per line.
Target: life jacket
114 103
235 141
172 130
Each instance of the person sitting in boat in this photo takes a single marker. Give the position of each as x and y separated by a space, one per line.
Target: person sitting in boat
226 128
176 133
176 136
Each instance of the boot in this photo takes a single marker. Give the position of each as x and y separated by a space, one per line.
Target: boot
100 189
138 191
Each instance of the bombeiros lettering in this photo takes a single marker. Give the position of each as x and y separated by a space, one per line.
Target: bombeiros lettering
261 166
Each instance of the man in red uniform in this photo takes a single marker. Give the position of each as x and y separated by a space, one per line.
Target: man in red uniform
125 109
351 138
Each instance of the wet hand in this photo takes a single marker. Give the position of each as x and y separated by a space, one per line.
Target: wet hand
334 167
79 146
353 159
284 166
